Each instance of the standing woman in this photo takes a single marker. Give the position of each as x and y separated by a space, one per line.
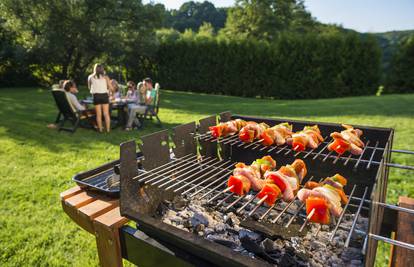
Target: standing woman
99 86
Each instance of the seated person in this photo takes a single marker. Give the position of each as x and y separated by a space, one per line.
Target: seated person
70 87
137 107
131 95
142 92
152 92
58 86
115 93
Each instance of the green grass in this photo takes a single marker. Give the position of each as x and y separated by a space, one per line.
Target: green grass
37 163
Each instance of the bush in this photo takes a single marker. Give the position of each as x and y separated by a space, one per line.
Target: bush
294 66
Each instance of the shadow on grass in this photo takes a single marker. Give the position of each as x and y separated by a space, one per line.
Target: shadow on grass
25 115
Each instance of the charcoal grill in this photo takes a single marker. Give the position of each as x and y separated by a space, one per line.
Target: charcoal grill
201 165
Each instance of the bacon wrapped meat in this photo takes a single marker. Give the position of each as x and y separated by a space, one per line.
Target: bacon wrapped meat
227 128
251 131
347 140
277 134
310 137
252 173
324 198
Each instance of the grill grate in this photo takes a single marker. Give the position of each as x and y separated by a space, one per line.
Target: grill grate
367 155
185 177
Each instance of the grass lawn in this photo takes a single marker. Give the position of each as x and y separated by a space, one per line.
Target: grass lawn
37 163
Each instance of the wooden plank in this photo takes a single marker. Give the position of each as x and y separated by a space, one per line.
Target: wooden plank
97 208
112 219
73 213
405 232
107 238
70 192
80 199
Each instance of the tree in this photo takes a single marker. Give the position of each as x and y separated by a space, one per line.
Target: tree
401 75
191 15
265 19
65 37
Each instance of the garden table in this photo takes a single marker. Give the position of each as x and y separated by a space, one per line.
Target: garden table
118 105
100 215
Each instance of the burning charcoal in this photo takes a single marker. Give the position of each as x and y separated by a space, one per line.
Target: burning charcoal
287 261
187 224
253 246
232 219
268 245
223 240
249 234
220 227
351 254
356 263
315 245
208 231
200 227
199 218
179 203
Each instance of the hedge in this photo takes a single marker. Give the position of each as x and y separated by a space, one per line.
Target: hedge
294 66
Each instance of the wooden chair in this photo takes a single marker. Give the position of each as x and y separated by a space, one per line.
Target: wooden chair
68 113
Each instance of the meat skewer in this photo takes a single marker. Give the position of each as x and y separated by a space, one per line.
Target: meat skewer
277 134
310 136
283 183
251 131
324 199
347 140
224 129
249 176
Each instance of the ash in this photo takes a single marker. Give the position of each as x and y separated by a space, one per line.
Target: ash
309 248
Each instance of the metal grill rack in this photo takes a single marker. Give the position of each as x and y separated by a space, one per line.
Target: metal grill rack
202 174
321 152
206 177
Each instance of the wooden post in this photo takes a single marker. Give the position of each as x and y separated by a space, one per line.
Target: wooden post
405 233
107 238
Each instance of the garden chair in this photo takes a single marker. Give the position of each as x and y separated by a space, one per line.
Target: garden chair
68 113
152 111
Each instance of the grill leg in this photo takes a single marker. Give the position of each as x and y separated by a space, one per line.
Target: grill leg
107 241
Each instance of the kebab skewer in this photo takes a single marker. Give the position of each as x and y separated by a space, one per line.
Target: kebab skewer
347 140
251 131
277 134
310 137
227 128
283 183
324 199
246 177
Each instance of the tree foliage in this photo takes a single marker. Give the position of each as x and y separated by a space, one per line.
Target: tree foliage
192 15
266 19
65 37
401 75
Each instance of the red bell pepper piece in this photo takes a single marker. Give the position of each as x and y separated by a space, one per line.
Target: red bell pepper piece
340 146
241 185
320 205
215 131
277 180
298 146
267 140
246 136
272 192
